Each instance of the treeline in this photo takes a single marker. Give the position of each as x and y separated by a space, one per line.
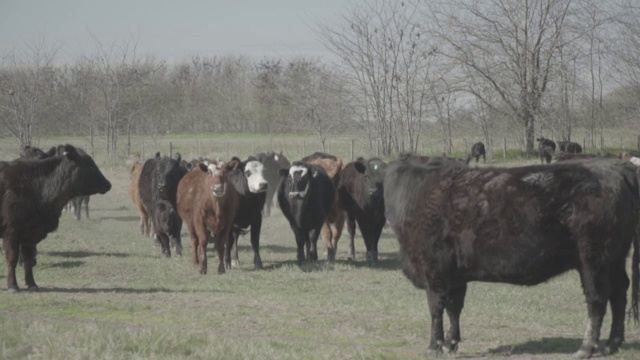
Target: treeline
485 69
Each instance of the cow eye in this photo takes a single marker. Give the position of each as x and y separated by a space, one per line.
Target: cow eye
247 173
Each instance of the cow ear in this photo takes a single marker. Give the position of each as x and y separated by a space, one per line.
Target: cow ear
178 157
314 173
158 155
233 164
284 172
203 167
359 167
69 151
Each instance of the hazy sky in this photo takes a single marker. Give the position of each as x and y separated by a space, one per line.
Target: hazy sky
170 30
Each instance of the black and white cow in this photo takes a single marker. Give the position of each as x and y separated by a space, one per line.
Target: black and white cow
249 182
305 196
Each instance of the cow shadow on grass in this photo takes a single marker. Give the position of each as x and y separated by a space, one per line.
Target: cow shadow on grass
118 218
549 345
64 265
120 290
84 254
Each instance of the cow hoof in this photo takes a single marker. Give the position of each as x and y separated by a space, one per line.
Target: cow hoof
13 290
221 270
583 354
258 265
433 352
33 288
450 347
235 263
203 271
613 346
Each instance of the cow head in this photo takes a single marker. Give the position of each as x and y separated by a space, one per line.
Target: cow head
254 172
373 172
217 173
298 178
84 171
169 172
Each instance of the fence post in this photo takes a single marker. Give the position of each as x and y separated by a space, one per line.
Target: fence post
304 148
504 148
142 158
199 149
170 149
228 152
352 143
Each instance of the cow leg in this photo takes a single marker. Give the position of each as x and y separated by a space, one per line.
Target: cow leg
338 227
223 243
351 230
302 241
375 238
86 207
597 290
618 300
229 243
29 259
235 234
199 242
255 243
164 244
454 305
313 243
436 309
176 239
327 235
194 244
77 208
11 251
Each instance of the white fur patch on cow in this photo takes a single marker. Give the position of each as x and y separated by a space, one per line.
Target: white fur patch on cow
295 168
254 171
635 161
540 178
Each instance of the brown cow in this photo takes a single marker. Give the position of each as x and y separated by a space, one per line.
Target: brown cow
134 193
334 223
208 205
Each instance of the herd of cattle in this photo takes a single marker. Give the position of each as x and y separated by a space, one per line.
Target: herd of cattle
455 223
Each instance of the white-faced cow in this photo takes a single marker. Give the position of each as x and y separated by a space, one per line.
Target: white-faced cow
208 207
361 192
272 163
546 149
306 195
159 179
522 226
251 187
32 195
334 223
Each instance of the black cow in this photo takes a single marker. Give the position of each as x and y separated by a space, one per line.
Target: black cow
249 182
477 150
159 179
166 220
75 204
32 195
305 196
520 225
570 147
272 162
546 148
360 191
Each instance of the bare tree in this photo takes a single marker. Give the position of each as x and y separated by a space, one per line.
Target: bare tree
25 77
509 44
381 43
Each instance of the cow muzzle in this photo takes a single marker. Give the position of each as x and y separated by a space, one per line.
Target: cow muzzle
299 194
218 190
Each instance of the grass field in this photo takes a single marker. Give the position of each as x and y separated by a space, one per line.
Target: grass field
107 293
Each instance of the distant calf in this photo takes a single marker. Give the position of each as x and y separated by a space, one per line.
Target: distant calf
165 219
569 147
546 148
78 203
477 150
